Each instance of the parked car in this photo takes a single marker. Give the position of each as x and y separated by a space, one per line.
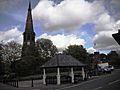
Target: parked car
111 67
107 69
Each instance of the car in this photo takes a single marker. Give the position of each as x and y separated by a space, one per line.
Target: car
111 67
108 69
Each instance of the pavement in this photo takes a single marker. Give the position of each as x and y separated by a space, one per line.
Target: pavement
37 86
103 82
7 87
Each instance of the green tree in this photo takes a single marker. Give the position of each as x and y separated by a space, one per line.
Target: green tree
2 67
28 66
113 58
11 52
103 57
78 52
46 48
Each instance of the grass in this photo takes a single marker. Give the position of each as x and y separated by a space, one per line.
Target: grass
34 77
39 76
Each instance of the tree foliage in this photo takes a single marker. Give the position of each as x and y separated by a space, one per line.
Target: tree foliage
46 48
28 66
31 64
113 58
103 57
78 52
11 52
2 67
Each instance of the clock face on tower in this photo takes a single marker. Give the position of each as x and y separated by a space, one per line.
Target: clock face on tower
28 43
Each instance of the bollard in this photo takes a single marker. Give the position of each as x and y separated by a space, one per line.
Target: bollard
17 84
10 82
14 82
32 83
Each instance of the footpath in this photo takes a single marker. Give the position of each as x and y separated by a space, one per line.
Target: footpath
40 87
26 85
7 87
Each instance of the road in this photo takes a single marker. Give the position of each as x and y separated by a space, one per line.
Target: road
105 82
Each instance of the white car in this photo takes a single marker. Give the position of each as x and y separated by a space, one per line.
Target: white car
111 67
108 69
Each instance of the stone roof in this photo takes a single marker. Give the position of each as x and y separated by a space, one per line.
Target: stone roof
62 60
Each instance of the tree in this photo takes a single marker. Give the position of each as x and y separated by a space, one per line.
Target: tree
43 50
2 71
11 53
103 57
46 48
78 52
28 66
113 58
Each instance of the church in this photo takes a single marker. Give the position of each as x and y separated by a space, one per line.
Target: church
28 48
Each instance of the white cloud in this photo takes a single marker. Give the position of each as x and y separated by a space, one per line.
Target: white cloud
68 15
62 41
71 14
104 23
105 27
117 25
91 50
10 35
115 2
105 41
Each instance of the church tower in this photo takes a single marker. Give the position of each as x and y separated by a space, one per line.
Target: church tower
28 36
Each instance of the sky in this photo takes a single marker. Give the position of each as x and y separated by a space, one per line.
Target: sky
90 23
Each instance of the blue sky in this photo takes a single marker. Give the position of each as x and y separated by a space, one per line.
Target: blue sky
90 23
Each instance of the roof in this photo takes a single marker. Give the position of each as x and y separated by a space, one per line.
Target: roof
62 60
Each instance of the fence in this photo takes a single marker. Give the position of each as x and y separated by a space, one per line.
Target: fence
12 82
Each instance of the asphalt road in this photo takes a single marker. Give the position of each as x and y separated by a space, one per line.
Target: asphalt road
105 82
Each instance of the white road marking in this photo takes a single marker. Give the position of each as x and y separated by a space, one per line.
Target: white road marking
113 82
97 88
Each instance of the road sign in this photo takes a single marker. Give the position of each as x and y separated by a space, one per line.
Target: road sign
116 36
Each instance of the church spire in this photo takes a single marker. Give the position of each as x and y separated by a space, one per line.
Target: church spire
29 8
28 35
29 22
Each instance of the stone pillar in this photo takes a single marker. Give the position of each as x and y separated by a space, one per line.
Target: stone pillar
58 76
72 75
44 76
83 73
